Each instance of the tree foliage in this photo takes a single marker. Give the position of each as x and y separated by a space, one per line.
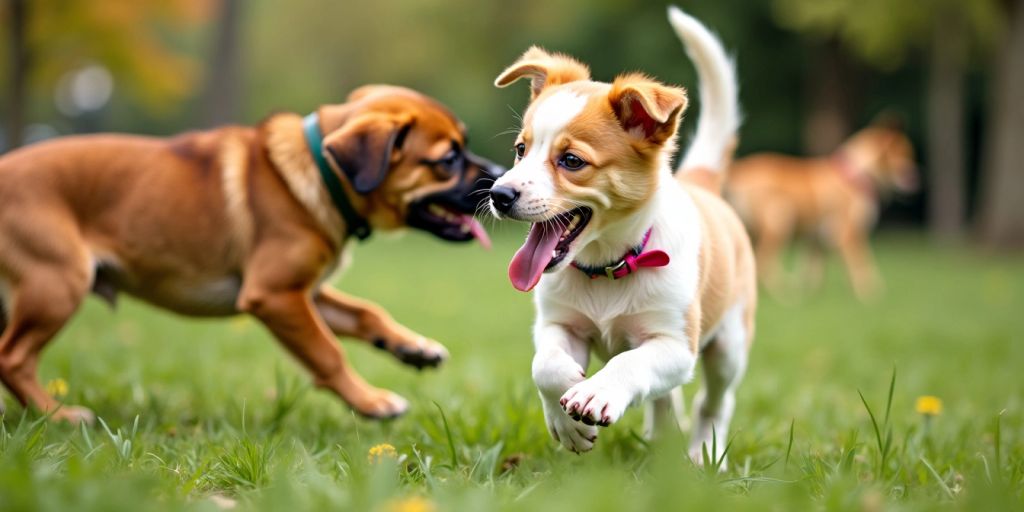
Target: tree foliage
135 40
882 32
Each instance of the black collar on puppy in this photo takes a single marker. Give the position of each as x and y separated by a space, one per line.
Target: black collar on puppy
357 224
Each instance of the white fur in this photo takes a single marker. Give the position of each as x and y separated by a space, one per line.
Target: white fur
636 324
531 176
720 113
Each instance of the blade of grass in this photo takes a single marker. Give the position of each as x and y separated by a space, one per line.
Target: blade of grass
997 438
942 483
878 433
888 401
789 447
448 432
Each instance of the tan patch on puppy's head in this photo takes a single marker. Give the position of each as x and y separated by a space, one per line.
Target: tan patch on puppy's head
544 70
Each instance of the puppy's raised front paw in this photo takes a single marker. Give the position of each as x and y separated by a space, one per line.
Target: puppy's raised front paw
593 403
574 436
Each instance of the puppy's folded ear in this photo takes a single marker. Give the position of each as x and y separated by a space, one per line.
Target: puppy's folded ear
365 148
544 70
647 108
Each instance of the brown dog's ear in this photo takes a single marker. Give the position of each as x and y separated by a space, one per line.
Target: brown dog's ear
646 107
544 70
366 147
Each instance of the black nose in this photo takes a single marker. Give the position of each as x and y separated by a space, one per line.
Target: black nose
503 198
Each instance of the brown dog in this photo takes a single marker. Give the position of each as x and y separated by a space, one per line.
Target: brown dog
834 199
231 220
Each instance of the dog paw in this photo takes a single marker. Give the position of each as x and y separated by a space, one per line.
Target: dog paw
593 403
574 436
419 353
74 415
380 404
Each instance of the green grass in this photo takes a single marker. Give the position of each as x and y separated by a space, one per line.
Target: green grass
195 411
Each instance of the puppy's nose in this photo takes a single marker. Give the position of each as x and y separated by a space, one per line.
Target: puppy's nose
503 198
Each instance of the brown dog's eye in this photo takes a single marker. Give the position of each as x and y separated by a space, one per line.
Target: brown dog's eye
520 150
571 162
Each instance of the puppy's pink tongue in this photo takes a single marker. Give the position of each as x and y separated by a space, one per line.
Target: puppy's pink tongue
477 230
530 260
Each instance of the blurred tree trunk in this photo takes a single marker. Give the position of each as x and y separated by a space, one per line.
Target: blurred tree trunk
1001 221
828 119
19 60
945 108
221 92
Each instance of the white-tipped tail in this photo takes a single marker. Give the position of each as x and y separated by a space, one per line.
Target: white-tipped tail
719 121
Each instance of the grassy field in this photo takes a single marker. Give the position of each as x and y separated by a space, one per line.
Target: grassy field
197 413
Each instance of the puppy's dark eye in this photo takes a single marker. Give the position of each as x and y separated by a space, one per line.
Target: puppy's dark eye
571 162
520 150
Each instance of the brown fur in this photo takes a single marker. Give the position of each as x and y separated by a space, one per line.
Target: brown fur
835 199
231 220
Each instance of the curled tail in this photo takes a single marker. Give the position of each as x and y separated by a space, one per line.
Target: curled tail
712 147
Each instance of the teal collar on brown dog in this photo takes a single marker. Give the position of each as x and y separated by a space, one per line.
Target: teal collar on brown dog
357 224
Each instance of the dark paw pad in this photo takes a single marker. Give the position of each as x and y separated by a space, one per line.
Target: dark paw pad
417 358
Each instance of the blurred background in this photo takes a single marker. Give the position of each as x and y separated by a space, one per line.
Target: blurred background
812 72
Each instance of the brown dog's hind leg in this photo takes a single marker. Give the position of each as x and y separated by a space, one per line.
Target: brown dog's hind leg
291 316
364 320
43 301
3 317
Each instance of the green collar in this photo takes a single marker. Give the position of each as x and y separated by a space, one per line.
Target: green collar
357 225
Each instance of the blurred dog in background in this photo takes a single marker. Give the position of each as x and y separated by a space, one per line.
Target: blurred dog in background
833 200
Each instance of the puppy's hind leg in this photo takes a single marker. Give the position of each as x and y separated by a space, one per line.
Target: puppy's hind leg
665 414
725 360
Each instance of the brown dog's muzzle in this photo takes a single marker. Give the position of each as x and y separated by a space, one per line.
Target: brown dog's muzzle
448 214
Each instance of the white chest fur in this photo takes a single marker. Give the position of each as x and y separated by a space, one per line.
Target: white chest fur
616 315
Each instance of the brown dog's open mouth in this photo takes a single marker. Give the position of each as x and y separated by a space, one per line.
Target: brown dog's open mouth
546 246
446 222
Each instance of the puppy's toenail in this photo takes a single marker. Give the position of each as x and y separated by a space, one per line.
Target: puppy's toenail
380 343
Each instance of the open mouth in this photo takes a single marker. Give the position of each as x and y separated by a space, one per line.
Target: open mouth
446 222
546 246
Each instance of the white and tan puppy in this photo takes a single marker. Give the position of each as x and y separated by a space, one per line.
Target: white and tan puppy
646 270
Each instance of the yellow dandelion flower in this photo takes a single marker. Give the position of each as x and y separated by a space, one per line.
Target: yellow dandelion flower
57 387
411 504
929 405
380 452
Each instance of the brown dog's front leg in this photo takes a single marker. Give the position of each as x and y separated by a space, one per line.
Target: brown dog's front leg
364 320
290 315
